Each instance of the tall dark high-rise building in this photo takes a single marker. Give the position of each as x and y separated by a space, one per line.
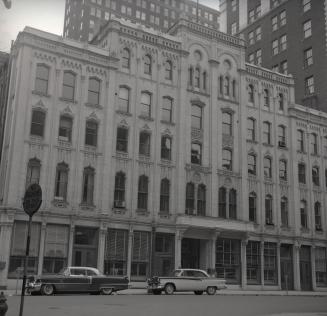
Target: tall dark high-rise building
84 18
286 36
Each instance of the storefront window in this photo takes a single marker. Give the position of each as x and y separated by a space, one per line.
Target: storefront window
253 262
321 266
270 263
141 255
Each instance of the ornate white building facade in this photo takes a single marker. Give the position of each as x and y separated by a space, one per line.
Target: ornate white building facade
157 151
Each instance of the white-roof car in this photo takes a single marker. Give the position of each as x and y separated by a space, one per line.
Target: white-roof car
183 280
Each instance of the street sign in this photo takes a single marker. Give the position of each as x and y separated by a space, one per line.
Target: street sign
32 199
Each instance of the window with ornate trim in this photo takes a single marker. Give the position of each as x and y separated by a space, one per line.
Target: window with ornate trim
314 144
168 70
251 93
38 123
196 153
33 172
269 210
267 165
315 176
65 128
164 195
145 143
266 138
253 207
251 129
123 99
189 203
300 140
266 102
222 208
147 64
227 127
304 214
91 133
68 86
281 136
281 101
284 211
318 223
301 173
119 193
61 181
94 91
167 109
122 139
197 113
232 204
283 170
142 197
42 78
252 164
166 147
201 200
126 58
227 163
88 185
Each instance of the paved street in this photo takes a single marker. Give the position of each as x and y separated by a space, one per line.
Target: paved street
190 305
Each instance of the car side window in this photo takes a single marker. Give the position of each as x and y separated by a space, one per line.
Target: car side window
90 273
190 273
77 272
199 274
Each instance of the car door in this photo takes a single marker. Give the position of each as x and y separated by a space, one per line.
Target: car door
77 281
191 281
181 281
202 281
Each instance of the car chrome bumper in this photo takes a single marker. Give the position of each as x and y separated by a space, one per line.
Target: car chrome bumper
33 287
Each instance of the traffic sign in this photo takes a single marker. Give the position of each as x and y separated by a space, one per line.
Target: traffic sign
32 199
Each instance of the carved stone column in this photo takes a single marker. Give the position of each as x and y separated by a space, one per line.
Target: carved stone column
178 248
130 252
244 243
101 246
70 245
296 266
42 245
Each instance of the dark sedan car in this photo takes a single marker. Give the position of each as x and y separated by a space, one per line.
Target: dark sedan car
77 280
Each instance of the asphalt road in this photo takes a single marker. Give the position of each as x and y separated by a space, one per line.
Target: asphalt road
163 305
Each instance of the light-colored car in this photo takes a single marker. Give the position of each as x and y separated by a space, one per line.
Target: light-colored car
183 280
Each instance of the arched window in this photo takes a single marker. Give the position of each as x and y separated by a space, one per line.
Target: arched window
94 91
166 147
253 207
284 211
204 80
304 214
119 194
201 203
232 204
252 164
168 70
189 203
126 58
227 159
222 202
37 123
88 185
142 199
65 128
197 77
91 133
268 210
315 176
226 86
317 208
61 181
42 78
283 170
146 104
164 195
68 88
33 172
250 93
267 167
123 99
147 64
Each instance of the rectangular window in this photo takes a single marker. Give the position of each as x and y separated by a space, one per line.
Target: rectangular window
307 32
146 104
91 133
140 255
284 67
284 212
119 193
321 266
115 258
196 121
222 203
314 144
258 33
251 129
166 147
167 109
301 173
300 140
283 42
61 182
253 260
306 5
282 18
251 16
251 58
55 248
308 58
274 23
164 196
17 251
228 260
234 5
42 79
269 210
258 57
88 186
234 28
37 123
266 139
309 85
270 263
123 99
252 164
251 38
274 47
122 139
196 154
68 89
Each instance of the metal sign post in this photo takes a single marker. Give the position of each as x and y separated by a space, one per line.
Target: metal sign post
31 204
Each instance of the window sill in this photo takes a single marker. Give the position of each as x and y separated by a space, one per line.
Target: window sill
305 230
142 212
90 148
123 154
123 113
283 147
146 118
42 94
270 226
198 91
268 145
92 105
283 181
252 141
164 215
36 139
119 210
68 100
167 123
301 152
227 99
87 207
59 202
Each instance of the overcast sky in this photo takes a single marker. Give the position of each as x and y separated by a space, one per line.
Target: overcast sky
46 15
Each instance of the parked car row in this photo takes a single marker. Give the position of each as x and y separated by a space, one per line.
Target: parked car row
90 280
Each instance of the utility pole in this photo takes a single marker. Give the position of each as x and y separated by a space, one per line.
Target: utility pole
7 3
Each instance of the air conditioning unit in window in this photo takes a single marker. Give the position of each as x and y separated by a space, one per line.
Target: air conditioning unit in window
120 204
281 144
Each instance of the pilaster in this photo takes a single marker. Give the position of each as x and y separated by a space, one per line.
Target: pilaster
313 267
296 266
101 246
130 252
244 243
42 245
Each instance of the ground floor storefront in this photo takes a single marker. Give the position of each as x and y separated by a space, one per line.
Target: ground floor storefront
141 250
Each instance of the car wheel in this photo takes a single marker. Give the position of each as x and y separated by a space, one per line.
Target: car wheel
169 289
107 291
156 292
211 290
198 292
47 289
